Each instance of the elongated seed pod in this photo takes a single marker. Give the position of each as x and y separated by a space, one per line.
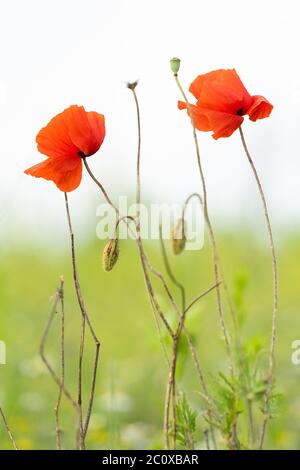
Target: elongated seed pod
110 254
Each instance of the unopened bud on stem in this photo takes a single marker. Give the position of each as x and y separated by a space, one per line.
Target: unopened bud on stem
178 238
175 65
110 254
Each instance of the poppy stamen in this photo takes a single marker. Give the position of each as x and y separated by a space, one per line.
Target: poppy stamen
240 112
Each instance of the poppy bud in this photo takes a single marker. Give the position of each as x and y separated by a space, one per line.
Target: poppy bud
178 238
175 65
110 254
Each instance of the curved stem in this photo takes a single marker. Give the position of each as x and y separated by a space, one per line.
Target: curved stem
275 296
153 301
83 426
171 382
146 265
211 234
98 184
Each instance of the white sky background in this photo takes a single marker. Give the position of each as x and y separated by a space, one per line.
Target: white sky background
54 53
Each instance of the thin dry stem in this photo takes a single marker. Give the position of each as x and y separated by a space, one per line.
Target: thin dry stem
57 298
153 301
144 260
83 426
146 265
154 304
52 372
58 429
275 295
172 379
7 428
211 234
171 385
187 335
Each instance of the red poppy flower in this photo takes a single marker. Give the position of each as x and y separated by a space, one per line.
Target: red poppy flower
69 136
222 101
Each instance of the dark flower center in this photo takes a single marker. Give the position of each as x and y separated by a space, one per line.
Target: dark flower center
240 112
81 154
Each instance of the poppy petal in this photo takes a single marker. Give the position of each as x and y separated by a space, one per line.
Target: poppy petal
54 140
222 90
260 108
65 173
97 123
222 124
182 105
86 130
200 119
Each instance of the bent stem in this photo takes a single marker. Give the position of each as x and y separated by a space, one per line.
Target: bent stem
275 296
154 303
83 425
217 273
153 300
170 390
155 307
147 266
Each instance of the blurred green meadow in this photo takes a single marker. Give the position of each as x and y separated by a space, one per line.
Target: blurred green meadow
128 411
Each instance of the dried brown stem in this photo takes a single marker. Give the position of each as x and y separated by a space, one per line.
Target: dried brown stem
52 372
217 273
83 426
268 395
187 335
198 297
172 377
153 301
58 429
146 265
7 428
58 298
